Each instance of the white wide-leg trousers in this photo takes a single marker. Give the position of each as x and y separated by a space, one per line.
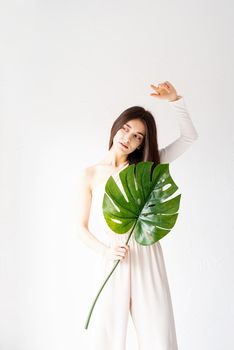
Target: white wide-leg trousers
138 286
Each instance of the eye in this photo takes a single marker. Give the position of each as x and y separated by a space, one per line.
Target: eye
139 138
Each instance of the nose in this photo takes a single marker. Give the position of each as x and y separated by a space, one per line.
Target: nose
127 139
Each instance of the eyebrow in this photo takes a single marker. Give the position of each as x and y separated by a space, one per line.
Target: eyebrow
131 128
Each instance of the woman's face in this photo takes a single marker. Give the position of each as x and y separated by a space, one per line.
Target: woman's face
130 136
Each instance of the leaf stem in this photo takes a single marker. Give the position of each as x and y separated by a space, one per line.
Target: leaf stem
104 283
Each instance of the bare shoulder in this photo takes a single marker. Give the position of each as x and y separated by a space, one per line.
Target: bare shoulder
89 174
93 175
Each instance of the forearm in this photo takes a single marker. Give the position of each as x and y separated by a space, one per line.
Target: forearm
91 241
187 129
188 133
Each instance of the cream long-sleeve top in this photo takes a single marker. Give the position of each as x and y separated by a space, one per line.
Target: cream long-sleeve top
188 133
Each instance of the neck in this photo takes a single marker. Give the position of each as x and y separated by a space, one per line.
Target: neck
115 159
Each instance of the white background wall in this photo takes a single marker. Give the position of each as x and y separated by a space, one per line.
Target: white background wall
68 69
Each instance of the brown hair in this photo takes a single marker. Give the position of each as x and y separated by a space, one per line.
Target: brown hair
149 147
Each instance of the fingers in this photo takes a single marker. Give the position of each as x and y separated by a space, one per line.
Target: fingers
118 252
121 251
156 88
165 85
122 248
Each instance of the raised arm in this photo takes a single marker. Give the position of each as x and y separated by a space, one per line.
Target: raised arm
188 133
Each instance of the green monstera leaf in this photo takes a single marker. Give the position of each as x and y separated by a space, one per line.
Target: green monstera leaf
142 202
142 206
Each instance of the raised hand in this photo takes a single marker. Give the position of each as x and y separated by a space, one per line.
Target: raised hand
165 91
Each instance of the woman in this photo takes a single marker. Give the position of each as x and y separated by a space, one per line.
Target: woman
139 284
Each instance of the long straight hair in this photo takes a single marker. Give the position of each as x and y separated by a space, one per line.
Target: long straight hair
149 148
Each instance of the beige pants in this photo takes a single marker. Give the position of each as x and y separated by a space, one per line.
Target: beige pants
138 285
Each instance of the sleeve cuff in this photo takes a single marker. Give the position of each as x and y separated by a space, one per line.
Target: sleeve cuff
178 102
